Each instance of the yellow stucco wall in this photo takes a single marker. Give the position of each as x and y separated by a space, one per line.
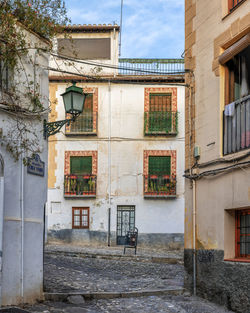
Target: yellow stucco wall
209 30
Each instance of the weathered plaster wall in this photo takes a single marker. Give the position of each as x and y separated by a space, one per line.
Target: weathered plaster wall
127 155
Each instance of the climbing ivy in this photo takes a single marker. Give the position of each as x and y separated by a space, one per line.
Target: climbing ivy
22 99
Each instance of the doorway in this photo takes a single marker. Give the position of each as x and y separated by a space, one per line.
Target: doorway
125 222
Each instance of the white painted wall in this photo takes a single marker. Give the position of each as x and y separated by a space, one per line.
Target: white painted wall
127 145
24 199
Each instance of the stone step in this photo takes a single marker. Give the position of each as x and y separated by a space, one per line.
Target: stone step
136 258
111 295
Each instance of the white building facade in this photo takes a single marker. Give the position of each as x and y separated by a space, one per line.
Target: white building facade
23 189
120 165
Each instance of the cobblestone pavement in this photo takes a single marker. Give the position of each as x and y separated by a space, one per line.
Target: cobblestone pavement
152 304
82 273
67 273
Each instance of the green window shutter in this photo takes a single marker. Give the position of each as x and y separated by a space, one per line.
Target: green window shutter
159 165
81 165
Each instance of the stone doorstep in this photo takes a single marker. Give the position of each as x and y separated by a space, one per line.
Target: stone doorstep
167 260
13 310
111 295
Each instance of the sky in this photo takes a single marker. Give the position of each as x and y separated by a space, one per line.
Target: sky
150 28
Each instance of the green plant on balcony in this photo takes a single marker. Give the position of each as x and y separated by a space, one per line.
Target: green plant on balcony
85 189
152 187
73 184
91 184
66 186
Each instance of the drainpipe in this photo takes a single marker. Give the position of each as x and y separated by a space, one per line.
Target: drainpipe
22 224
109 162
194 237
114 51
1 222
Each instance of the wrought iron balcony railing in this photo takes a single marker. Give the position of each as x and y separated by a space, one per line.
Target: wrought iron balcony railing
237 125
151 66
160 186
79 186
86 123
160 123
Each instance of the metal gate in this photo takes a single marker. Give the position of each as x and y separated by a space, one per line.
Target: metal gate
125 222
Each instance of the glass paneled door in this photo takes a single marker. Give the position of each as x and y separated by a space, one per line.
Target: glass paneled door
125 222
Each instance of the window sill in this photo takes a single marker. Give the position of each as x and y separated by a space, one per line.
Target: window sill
242 260
79 196
148 196
68 134
159 133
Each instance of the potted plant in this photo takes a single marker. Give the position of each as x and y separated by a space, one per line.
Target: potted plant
73 186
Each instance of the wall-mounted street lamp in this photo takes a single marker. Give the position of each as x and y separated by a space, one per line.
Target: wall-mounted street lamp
73 99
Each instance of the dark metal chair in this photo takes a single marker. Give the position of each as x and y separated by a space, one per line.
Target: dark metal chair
131 239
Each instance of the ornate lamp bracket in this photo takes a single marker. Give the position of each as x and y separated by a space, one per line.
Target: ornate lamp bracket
52 128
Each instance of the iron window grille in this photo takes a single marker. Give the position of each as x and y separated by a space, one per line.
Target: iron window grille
80 218
242 236
86 121
160 119
236 114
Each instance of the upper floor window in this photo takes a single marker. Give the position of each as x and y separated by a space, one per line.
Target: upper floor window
160 118
81 165
85 48
84 122
236 115
233 3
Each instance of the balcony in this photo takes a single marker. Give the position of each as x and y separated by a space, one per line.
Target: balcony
160 123
236 133
85 124
151 67
159 186
76 186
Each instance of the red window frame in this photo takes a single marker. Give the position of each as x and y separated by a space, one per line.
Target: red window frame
239 235
232 4
81 214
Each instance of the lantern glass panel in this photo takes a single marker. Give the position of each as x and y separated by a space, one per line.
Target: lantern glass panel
78 101
67 102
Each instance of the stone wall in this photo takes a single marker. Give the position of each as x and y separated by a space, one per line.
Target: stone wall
223 282
173 241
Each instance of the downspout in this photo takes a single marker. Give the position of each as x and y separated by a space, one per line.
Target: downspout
114 52
1 222
22 225
194 191
109 162
194 237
